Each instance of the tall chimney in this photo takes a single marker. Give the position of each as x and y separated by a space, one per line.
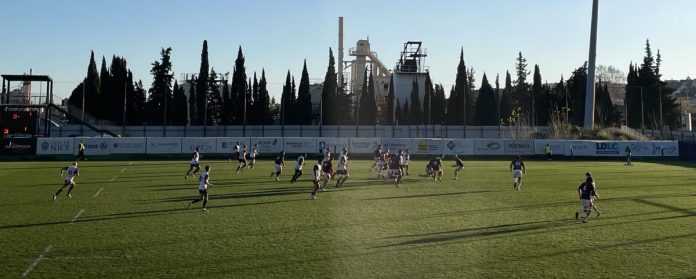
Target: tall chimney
340 51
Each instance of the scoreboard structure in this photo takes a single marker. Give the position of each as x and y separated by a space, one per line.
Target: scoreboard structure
21 110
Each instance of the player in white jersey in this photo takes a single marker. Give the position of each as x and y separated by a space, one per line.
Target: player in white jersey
458 166
342 171
193 164
406 161
327 154
69 179
203 184
242 159
235 152
316 175
252 156
298 168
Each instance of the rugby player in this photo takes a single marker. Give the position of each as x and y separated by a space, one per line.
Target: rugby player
378 157
279 163
327 169
517 168
203 184
342 171
242 159
252 156
298 168
316 174
193 164
69 179
458 166
586 191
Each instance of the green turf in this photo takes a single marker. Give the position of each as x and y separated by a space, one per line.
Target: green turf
138 227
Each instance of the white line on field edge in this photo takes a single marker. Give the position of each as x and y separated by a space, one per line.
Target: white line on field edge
123 169
113 178
77 216
36 262
97 194
130 163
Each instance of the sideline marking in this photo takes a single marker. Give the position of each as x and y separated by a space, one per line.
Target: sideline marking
113 178
123 169
77 216
130 163
97 194
37 261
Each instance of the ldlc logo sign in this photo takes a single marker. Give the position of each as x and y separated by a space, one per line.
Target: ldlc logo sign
607 148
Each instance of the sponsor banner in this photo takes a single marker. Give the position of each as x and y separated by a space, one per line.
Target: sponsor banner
205 145
128 145
54 146
458 146
610 148
578 148
300 145
364 145
519 147
18 146
394 145
489 147
558 147
336 144
653 148
159 145
94 146
268 145
427 146
225 145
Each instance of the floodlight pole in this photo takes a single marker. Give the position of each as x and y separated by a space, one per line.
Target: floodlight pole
590 90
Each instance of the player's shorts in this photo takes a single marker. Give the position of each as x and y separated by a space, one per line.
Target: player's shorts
587 204
342 172
298 172
327 176
395 172
459 168
242 161
203 192
67 182
195 165
377 159
516 173
278 168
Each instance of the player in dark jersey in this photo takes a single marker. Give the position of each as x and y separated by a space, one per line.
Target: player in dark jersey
430 168
517 168
586 191
458 166
594 204
378 156
252 156
437 169
193 164
327 169
242 159
279 163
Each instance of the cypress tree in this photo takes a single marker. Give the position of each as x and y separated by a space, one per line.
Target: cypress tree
439 105
202 85
470 97
192 102
506 100
329 93
456 108
304 99
368 107
139 92
287 102
537 109
389 103
521 97
264 102
427 100
91 89
100 100
214 101
179 105
239 88
405 114
398 114
226 113
160 90
485 104
415 112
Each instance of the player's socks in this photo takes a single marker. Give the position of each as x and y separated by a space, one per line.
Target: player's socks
205 203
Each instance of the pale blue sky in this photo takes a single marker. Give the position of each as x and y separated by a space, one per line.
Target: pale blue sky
55 37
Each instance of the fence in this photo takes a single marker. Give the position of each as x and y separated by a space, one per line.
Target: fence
295 145
416 131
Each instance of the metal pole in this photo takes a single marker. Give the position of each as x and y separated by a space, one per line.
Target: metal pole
84 84
642 112
662 130
123 122
590 90
244 120
164 122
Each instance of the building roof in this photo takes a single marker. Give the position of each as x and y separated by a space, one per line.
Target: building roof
27 78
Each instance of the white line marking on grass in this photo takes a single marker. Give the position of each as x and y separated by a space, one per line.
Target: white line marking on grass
37 261
113 178
77 216
98 192
123 169
130 163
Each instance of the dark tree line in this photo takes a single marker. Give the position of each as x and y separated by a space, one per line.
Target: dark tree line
209 98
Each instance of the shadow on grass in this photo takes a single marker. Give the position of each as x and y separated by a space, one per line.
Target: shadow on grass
137 214
432 195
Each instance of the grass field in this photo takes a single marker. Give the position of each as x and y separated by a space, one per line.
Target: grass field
129 220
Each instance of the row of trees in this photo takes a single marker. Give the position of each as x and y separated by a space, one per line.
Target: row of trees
212 100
